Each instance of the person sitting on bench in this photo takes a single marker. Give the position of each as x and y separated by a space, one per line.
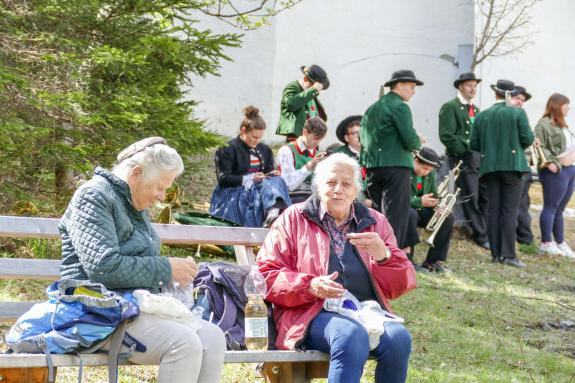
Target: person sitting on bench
107 238
249 192
298 159
318 249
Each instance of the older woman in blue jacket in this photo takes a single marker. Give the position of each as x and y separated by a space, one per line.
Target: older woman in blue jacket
107 238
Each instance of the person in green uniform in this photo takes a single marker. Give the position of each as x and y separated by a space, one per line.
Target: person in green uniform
300 102
387 141
524 233
298 159
423 202
348 133
456 119
501 134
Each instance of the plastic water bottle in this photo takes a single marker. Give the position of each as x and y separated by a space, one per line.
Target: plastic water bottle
256 312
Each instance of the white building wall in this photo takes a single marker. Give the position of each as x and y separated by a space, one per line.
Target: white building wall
544 67
359 43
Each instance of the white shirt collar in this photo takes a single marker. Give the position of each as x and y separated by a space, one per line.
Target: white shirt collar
302 146
352 149
463 100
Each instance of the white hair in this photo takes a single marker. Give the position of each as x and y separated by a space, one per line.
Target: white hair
154 160
325 166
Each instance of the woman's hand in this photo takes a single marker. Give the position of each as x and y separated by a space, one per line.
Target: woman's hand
371 243
325 286
184 270
552 168
258 177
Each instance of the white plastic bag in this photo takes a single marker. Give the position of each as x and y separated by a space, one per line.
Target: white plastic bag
368 313
168 307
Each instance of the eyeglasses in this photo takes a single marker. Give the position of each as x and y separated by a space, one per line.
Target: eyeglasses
352 134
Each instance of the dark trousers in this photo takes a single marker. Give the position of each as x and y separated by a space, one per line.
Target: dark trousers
504 193
473 194
524 233
389 189
557 191
420 218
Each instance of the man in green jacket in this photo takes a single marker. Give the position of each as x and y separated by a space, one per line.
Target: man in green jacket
348 133
423 202
456 119
387 141
524 233
501 134
300 103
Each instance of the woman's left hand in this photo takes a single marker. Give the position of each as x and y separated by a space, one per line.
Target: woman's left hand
371 243
259 177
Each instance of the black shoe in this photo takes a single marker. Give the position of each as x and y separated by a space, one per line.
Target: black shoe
441 268
429 266
484 245
513 262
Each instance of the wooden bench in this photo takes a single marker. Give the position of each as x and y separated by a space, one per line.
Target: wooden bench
278 366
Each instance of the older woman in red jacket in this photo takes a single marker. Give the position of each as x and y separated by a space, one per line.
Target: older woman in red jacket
318 249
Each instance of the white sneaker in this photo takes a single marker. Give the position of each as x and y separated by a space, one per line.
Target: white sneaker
550 248
566 250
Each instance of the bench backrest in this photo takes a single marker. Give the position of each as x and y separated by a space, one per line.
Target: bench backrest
243 239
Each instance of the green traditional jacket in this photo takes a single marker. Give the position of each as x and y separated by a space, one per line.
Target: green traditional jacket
387 134
427 186
346 150
455 126
501 134
293 113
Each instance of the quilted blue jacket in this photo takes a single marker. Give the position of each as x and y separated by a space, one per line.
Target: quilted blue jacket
106 240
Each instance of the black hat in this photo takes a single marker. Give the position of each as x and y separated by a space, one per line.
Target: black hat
403 75
504 86
316 74
428 156
463 77
523 91
341 129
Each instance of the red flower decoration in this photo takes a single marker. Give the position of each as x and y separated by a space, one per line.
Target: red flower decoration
419 186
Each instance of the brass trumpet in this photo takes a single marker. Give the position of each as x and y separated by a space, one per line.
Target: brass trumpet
447 200
538 158
440 214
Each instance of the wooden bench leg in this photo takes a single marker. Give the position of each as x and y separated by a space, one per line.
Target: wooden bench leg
25 375
289 372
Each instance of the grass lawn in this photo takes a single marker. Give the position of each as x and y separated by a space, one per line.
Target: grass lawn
481 323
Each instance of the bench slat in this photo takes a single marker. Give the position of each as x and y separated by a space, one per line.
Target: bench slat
23 268
47 228
39 360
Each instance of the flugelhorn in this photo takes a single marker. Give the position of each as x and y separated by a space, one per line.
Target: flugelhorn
538 156
449 180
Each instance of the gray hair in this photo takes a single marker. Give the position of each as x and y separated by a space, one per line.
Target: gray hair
154 159
324 166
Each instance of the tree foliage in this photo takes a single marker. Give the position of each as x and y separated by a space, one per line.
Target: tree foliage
81 79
